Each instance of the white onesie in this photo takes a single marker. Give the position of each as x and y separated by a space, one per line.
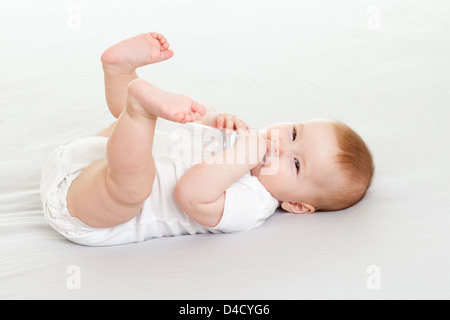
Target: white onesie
247 203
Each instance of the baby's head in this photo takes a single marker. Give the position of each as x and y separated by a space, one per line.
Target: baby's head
315 165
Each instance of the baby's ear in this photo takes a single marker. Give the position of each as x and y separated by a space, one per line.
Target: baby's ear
298 207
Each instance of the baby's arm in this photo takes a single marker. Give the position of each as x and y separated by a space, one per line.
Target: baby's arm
200 192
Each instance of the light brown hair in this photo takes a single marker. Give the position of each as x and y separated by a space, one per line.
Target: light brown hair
357 168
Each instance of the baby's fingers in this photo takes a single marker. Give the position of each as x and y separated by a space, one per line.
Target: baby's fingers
198 108
241 132
239 124
220 119
229 123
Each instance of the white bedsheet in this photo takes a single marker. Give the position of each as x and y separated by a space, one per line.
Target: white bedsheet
381 66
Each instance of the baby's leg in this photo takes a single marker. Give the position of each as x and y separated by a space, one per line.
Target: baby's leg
121 61
112 191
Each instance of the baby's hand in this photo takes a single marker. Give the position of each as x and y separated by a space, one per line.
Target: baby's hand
226 121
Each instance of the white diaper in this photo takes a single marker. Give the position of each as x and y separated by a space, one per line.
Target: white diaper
63 167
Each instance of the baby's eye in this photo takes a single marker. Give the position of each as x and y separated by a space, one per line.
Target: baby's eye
294 134
297 165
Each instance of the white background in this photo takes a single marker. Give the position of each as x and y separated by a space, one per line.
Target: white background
383 67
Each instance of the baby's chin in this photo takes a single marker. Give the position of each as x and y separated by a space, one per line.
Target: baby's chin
265 168
260 172
256 172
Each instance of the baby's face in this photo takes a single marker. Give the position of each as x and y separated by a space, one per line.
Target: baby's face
302 160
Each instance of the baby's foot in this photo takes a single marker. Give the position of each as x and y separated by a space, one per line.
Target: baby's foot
136 52
150 101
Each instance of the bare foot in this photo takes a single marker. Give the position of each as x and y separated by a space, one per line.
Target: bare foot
136 52
150 101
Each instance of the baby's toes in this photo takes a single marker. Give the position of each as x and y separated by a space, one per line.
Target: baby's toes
195 116
178 117
199 108
186 118
162 40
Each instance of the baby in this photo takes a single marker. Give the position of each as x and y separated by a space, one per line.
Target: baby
114 189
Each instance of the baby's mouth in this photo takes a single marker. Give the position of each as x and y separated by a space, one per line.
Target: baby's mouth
266 158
